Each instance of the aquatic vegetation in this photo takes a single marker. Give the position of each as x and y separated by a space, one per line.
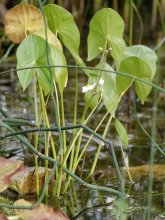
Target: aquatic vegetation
42 66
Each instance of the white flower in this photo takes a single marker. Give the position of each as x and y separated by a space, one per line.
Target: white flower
100 48
101 81
88 87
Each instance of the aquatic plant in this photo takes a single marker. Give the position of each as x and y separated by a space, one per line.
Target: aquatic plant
41 64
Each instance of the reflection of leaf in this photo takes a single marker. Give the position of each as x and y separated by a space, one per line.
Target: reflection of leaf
42 212
7 169
22 20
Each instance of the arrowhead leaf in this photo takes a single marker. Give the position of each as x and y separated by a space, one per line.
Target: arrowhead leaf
106 27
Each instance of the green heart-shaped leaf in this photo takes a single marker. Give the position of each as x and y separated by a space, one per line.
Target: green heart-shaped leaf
143 53
106 27
62 24
32 53
134 66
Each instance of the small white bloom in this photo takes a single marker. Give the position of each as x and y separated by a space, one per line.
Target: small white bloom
101 81
88 87
100 48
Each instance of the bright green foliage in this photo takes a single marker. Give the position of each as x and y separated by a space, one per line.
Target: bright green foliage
62 24
106 30
31 53
121 131
144 53
135 67
109 90
61 74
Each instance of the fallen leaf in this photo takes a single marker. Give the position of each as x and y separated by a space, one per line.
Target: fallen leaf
43 212
144 170
24 182
22 20
3 217
136 172
7 169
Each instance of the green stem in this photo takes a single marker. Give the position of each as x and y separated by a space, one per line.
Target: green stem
161 17
63 122
59 120
131 22
146 132
76 97
64 132
140 22
153 146
152 156
75 116
47 122
102 63
71 127
56 106
100 146
7 52
48 138
72 156
78 145
78 158
66 155
40 129
126 166
36 139
43 157
46 154
131 76
89 140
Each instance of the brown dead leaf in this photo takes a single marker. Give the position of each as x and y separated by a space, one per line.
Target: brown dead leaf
136 172
7 169
144 170
24 182
3 217
22 20
43 212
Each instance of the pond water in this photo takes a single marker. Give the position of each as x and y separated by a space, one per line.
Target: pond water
81 202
